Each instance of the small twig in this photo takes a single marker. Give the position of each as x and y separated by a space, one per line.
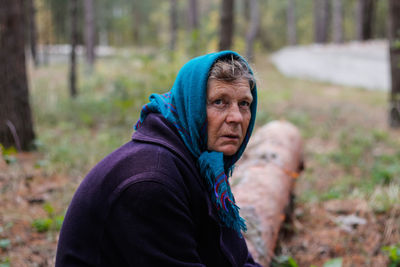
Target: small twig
14 134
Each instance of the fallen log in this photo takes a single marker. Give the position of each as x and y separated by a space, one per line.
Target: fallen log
263 183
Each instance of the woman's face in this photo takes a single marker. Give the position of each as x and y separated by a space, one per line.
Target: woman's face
228 115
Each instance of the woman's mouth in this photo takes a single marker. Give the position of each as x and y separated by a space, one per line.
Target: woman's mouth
231 136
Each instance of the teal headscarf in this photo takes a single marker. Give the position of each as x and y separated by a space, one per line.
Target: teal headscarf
185 107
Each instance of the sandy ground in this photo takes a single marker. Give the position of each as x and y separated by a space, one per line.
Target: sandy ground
356 64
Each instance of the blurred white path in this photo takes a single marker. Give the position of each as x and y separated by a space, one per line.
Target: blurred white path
356 64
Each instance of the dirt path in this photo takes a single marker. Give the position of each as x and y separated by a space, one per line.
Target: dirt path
355 64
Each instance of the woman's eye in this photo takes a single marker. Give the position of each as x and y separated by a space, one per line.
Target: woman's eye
244 104
218 102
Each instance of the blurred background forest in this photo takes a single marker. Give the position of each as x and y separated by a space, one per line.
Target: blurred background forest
74 75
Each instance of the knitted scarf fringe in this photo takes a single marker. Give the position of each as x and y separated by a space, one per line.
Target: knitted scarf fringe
211 168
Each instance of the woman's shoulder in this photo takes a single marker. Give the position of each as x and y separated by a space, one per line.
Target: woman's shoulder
150 167
134 160
133 165
139 161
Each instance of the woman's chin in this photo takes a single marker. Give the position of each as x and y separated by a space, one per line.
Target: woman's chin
229 150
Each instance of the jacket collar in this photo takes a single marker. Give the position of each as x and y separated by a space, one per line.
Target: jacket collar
157 130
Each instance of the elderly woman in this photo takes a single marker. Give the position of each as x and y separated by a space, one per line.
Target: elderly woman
164 198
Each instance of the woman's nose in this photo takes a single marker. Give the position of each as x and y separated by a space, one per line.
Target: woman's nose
234 115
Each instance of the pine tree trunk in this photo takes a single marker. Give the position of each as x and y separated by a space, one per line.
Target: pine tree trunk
47 25
32 30
291 22
321 20
253 30
246 10
173 24
136 8
226 25
45 51
193 15
74 40
365 10
193 20
89 34
337 21
16 126
394 40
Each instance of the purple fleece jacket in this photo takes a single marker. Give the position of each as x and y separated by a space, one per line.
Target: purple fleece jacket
146 205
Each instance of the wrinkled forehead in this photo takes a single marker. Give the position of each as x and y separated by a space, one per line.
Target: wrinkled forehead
238 88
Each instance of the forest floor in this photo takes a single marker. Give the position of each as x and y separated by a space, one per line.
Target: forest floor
351 159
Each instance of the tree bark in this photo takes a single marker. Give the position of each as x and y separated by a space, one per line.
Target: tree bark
89 34
394 46
246 10
173 15
337 21
46 55
321 20
291 22
16 126
32 31
46 32
193 15
137 19
226 25
74 39
365 14
193 23
253 29
263 184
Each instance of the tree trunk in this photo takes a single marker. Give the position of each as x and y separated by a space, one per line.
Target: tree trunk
16 126
321 20
193 15
74 39
365 19
173 16
337 21
291 22
136 13
246 10
46 34
193 23
32 31
89 34
394 41
263 184
226 25
46 55
253 30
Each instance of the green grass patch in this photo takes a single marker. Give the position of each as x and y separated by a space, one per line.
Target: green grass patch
5 243
288 261
52 222
386 169
354 146
393 252
5 262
